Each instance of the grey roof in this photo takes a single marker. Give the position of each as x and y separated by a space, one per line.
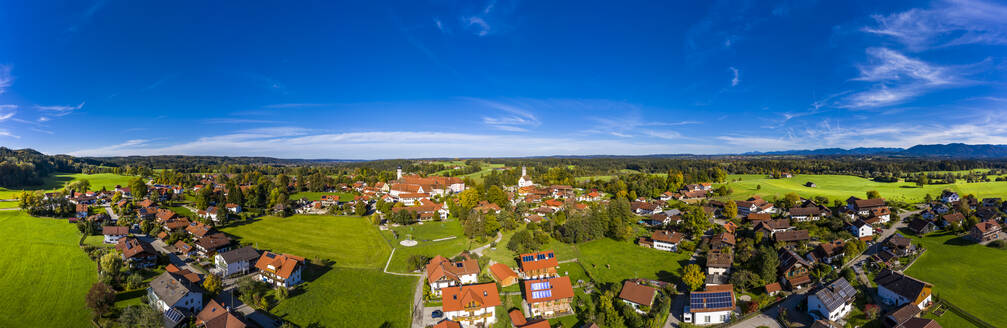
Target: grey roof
243 254
900 283
835 294
170 287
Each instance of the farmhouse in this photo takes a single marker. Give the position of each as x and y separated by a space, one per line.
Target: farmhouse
471 305
722 240
755 204
280 270
715 305
771 227
948 196
217 242
833 301
663 240
827 252
954 219
175 297
549 297
539 265
183 248
804 214
503 274
985 231
114 233
235 261
443 273
899 245
862 207
896 289
637 295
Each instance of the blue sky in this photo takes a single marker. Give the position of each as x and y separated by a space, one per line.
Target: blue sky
355 80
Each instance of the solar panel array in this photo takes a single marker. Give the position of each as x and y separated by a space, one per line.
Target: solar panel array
540 285
173 315
711 300
538 294
527 258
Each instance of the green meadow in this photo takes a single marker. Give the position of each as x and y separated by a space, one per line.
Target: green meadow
45 276
844 186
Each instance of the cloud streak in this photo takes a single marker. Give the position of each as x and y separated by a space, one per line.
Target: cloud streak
6 80
947 23
734 80
60 110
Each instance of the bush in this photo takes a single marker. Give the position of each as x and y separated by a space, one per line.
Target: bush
1000 244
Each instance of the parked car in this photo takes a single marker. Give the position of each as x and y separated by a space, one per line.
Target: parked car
437 314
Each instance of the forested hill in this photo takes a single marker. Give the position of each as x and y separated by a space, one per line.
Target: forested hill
953 150
24 167
178 161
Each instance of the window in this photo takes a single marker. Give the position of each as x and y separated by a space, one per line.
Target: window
706 318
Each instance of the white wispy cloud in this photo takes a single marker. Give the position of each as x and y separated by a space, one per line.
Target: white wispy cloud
6 80
229 120
734 80
5 116
946 23
898 78
516 117
392 144
478 24
43 119
6 133
60 110
440 25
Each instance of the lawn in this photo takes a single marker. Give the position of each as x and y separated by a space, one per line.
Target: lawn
45 276
628 260
8 204
966 274
485 168
349 240
425 234
57 181
843 186
950 319
97 240
343 297
343 196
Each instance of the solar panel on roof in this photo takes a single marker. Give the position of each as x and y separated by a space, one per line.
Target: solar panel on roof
550 255
541 256
540 285
528 258
541 294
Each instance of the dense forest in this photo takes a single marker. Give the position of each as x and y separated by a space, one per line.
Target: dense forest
26 167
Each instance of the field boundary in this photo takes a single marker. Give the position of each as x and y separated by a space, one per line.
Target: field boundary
962 313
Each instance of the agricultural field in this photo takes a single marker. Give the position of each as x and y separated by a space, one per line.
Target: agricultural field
843 186
486 169
350 297
350 241
57 181
966 274
343 196
46 275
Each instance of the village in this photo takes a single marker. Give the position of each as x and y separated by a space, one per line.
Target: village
818 274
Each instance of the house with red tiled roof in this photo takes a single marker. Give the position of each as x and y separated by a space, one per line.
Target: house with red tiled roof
637 295
114 233
538 265
136 253
549 297
471 305
443 273
281 270
985 231
216 315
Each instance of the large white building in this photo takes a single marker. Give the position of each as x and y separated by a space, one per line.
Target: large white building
525 180
236 261
443 273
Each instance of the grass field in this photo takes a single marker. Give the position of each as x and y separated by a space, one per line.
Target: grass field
350 241
8 204
486 168
57 181
343 196
843 186
45 276
343 297
425 234
966 274
950 319
629 260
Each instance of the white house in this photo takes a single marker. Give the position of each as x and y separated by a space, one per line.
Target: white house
897 289
949 196
637 295
833 301
666 240
861 229
718 262
235 261
443 273
280 270
471 305
174 296
114 233
712 306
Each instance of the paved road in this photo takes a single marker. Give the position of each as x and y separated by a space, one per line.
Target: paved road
111 213
873 249
479 250
419 312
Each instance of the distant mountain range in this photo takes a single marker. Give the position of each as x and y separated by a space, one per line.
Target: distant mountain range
953 150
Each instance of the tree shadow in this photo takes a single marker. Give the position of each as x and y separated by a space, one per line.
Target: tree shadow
960 241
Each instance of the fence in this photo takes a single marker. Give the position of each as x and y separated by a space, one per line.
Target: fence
962 313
